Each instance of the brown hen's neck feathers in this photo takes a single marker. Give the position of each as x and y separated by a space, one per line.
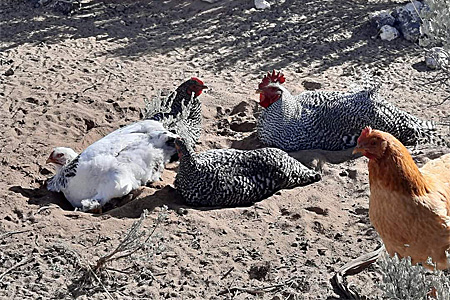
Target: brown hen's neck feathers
397 171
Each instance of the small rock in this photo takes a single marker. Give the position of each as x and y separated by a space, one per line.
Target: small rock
437 58
322 251
262 4
294 244
388 33
9 72
408 22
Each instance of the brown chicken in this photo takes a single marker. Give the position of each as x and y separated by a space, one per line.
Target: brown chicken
409 207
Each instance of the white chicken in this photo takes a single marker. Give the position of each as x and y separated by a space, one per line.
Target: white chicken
112 166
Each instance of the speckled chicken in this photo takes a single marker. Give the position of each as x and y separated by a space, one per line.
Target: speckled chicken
331 120
231 177
170 110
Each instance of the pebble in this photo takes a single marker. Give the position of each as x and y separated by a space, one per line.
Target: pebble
388 33
436 58
262 4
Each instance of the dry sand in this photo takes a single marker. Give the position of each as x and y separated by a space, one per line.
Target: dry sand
78 77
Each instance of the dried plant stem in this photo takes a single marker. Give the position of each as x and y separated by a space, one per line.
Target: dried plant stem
100 282
123 249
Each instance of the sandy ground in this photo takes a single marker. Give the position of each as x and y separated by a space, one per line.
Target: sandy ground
76 78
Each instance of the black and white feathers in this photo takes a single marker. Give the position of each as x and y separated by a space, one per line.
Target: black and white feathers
181 107
112 166
332 120
230 177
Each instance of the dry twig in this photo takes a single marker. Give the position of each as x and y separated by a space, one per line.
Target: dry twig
353 267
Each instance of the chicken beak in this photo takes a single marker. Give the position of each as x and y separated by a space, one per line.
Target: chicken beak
49 160
358 149
203 87
258 91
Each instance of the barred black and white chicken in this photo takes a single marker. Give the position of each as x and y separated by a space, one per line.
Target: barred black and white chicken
172 109
331 120
113 166
231 177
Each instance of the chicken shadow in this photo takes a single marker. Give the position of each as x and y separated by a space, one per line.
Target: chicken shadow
133 209
167 196
42 197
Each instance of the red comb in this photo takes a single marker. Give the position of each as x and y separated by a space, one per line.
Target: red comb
272 77
365 132
198 80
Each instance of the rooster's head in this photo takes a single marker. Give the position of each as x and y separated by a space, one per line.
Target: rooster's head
268 90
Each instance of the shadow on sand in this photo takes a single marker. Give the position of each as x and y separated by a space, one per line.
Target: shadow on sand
215 36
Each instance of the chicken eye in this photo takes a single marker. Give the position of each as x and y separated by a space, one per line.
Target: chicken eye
373 142
59 155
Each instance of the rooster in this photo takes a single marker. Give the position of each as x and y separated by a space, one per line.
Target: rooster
331 120
409 207
184 97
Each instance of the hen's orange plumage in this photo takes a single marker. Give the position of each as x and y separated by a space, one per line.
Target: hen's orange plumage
409 207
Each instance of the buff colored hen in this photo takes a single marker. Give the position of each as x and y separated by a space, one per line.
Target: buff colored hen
409 207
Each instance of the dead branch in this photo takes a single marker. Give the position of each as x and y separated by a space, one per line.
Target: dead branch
353 267
100 282
227 273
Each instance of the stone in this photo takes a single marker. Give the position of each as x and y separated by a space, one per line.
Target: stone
437 58
388 33
408 22
262 4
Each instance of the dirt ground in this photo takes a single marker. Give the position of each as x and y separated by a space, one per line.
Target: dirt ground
76 78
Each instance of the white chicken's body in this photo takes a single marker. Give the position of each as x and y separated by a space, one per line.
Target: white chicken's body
115 165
